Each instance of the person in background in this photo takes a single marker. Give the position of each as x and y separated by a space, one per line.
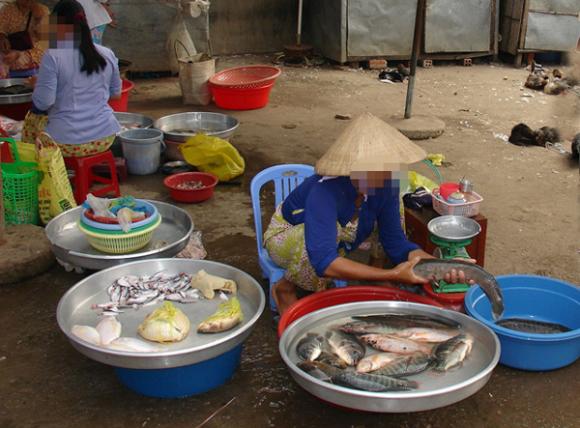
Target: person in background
20 47
74 84
98 17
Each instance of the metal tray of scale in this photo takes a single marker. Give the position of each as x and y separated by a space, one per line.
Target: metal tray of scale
454 228
70 245
75 308
435 389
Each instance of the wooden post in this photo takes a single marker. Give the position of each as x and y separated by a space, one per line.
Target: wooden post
421 7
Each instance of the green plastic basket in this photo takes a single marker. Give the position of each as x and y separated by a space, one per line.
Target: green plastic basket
20 189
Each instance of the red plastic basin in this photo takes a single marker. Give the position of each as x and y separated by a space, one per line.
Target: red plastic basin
350 294
453 301
241 99
191 196
15 111
122 103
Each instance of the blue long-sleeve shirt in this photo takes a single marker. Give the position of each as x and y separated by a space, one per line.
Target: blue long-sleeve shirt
76 103
321 204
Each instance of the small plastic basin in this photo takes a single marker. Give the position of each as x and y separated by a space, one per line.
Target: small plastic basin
191 196
122 104
339 296
537 298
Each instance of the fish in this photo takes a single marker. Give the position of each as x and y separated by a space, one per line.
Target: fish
228 315
421 334
409 320
87 333
346 347
366 327
309 347
435 270
372 382
406 365
327 357
130 344
397 345
313 370
375 362
109 329
453 352
532 326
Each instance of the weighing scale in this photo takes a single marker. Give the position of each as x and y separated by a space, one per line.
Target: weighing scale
451 234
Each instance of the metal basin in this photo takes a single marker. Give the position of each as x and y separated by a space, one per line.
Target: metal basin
454 227
131 119
434 390
75 308
179 127
15 99
71 246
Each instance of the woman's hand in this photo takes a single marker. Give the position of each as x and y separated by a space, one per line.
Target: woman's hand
458 276
32 80
404 272
11 57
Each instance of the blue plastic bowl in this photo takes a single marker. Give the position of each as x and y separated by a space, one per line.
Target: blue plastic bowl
539 298
183 381
150 209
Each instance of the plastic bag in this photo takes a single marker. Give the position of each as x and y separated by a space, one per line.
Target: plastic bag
213 155
100 206
179 42
417 180
194 74
194 249
54 192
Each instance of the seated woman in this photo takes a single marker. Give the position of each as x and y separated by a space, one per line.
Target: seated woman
75 82
334 211
20 46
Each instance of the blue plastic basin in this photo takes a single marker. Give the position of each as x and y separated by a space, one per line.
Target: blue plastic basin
183 381
538 298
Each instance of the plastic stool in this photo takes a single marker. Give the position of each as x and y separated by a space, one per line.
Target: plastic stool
84 176
120 165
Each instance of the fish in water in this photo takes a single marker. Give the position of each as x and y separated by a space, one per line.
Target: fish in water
452 352
332 360
532 326
407 365
435 269
372 382
431 335
366 327
408 320
375 362
397 345
309 347
346 347
313 370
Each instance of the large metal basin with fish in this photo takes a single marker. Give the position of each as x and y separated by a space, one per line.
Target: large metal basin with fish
181 126
16 98
535 298
70 245
435 390
196 364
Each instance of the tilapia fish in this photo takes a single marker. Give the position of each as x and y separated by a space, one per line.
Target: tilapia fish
435 270
452 352
319 370
345 346
310 346
397 345
332 360
532 326
406 365
375 362
373 382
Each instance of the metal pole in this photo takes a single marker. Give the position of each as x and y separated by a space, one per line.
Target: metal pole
415 55
299 30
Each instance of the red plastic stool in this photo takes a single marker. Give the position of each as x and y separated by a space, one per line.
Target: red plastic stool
85 177
121 166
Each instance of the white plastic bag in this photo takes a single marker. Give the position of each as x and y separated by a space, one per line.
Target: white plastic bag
179 41
194 73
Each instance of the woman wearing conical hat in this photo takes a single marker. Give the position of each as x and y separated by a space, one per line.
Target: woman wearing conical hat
332 212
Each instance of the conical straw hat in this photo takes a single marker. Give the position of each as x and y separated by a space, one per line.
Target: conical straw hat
368 144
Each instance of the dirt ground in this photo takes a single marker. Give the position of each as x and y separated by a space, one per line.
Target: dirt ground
530 196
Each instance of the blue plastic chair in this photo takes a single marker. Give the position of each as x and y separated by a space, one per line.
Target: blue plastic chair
286 178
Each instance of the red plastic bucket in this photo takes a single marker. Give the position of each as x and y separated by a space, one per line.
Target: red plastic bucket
350 294
195 195
122 104
241 98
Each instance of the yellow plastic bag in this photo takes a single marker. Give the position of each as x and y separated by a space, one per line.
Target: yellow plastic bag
54 192
213 155
417 180
26 151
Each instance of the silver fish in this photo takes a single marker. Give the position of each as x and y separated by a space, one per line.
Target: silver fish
452 352
330 359
373 382
400 320
314 370
406 365
375 362
366 327
435 270
397 345
346 347
532 326
310 346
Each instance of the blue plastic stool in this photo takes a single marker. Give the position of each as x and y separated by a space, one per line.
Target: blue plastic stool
183 381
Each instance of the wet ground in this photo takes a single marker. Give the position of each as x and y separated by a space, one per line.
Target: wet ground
530 200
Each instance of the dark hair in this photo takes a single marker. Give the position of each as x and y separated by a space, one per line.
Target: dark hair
71 12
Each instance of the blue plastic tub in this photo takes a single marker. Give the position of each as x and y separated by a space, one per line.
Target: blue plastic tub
183 381
539 298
